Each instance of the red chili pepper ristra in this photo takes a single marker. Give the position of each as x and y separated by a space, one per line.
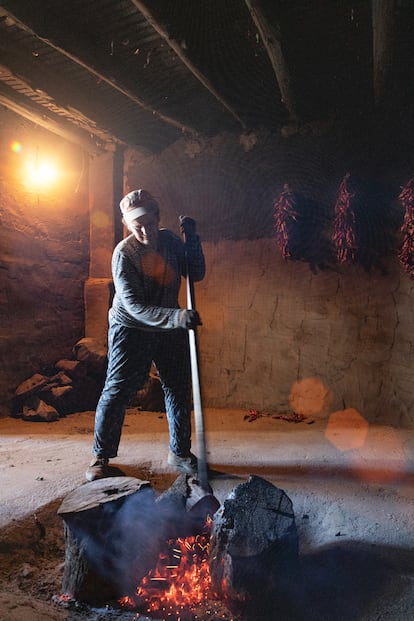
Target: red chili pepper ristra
285 211
406 252
343 236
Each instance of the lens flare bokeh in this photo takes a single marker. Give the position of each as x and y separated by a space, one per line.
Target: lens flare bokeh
16 146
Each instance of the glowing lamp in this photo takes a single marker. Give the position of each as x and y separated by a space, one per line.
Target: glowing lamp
40 175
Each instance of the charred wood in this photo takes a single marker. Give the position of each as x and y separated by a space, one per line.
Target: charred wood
110 538
254 552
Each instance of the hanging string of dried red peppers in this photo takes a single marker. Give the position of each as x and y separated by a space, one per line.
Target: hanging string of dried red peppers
285 213
406 252
344 234
361 232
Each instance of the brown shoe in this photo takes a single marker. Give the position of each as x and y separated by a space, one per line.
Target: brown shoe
98 469
188 465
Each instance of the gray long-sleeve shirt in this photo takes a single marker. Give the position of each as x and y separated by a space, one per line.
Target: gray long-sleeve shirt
147 282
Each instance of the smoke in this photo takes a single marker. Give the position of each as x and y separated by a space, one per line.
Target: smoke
120 541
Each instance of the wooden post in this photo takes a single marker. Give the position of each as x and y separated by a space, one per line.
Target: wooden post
383 20
271 41
174 45
105 192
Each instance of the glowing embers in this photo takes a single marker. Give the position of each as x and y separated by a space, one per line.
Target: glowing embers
180 581
164 558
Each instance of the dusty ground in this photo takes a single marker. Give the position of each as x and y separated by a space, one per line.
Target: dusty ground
351 486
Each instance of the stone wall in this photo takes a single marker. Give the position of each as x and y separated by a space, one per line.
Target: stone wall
44 254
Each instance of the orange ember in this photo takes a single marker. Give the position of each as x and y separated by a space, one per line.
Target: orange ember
180 580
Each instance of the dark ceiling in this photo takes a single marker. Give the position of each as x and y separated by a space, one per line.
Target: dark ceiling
145 73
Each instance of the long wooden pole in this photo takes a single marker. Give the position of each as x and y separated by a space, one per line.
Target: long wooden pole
195 379
102 77
57 128
271 42
383 26
174 45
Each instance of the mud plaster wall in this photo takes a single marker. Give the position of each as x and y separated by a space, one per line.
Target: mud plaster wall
275 335
44 255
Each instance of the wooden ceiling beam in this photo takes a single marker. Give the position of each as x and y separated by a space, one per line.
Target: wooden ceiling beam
52 126
383 26
175 46
83 130
182 127
271 41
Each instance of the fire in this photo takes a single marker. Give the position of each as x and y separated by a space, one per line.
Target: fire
181 578
182 575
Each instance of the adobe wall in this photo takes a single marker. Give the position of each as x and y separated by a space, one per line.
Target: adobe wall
277 335
44 255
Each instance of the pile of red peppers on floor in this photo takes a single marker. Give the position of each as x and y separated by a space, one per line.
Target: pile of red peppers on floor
293 417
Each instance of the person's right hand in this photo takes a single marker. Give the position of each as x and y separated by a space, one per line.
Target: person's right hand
189 319
188 226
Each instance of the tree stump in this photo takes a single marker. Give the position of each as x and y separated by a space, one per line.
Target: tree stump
112 536
254 557
115 529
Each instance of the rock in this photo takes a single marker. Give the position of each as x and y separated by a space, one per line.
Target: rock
60 397
150 398
31 385
92 353
73 368
41 413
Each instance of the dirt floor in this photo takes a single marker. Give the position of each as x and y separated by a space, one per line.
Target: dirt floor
351 485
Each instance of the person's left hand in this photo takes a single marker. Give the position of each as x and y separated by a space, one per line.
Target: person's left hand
189 319
188 226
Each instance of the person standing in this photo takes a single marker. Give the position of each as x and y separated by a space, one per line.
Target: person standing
146 325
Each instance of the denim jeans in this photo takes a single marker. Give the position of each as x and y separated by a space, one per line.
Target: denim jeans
130 354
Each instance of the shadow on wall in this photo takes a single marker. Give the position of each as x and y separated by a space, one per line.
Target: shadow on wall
356 581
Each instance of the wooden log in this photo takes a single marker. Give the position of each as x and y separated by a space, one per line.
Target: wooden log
112 538
254 556
272 42
175 45
383 26
115 529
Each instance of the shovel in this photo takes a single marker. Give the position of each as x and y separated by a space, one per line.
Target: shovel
201 492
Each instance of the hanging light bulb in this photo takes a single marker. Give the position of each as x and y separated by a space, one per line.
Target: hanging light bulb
40 173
